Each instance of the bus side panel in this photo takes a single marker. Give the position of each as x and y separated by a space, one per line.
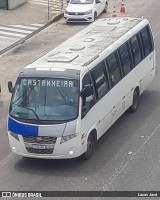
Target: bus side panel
99 116
148 71
122 95
108 109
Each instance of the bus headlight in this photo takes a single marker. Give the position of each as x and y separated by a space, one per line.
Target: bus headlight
68 137
13 135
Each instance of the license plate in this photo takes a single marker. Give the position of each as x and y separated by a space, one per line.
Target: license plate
37 146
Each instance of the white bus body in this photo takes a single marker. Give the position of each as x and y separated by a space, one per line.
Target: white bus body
80 89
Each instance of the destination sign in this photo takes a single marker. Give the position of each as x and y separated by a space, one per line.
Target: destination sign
48 83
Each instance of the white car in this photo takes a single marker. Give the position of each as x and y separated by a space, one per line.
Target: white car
84 10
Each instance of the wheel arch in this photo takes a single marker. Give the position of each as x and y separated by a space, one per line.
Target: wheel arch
137 88
92 137
94 134
135 95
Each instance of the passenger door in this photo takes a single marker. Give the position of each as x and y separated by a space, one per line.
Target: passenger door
101 86
127 65
147 44
116 92
87 104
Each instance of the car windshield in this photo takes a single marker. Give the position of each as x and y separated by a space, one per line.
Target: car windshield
45 99
81 1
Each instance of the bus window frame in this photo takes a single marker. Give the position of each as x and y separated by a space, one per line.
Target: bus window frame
129 55
94 95
150 40
105 73
115 53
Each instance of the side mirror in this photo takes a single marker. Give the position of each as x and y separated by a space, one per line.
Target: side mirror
98 1
87 91
10 87
67 1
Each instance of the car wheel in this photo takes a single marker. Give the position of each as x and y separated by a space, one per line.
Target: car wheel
66 21
95 16
105 8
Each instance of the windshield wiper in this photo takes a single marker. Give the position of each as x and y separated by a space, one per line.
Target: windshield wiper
28 109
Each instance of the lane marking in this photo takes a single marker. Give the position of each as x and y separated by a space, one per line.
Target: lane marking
14 30
14 34
38 2
156 34
123 165
10 36
25 27
11 39
5 159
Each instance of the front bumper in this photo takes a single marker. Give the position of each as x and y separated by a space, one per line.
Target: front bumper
78 18
69 149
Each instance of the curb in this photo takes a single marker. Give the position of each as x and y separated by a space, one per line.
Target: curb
56 18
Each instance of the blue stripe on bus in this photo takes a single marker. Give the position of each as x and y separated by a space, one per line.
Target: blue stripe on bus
22 129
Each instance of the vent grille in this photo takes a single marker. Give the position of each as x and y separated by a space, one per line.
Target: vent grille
39 151
40 140
76 13
47 141
78 20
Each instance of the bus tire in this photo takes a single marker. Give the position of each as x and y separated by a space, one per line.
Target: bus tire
90 146
135 100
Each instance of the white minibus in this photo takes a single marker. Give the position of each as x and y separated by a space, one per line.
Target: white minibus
66 100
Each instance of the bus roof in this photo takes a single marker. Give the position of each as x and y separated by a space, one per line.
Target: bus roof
83 48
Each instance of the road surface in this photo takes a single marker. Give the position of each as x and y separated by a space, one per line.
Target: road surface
127 158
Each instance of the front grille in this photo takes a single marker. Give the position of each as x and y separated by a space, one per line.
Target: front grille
78 20
47 141
40 139
75 13
39 151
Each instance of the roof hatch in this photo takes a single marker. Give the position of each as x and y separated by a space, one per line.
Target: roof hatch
113 21
77 48
62 57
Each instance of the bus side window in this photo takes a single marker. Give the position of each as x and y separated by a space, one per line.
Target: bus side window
88 100
99 76
150 37
146 41
113 69
125 58
135 47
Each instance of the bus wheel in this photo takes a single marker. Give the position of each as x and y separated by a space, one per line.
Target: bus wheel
90 146
134 105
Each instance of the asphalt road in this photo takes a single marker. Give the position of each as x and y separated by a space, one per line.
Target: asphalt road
127 158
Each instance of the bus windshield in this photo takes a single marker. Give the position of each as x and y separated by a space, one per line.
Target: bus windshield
45 99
